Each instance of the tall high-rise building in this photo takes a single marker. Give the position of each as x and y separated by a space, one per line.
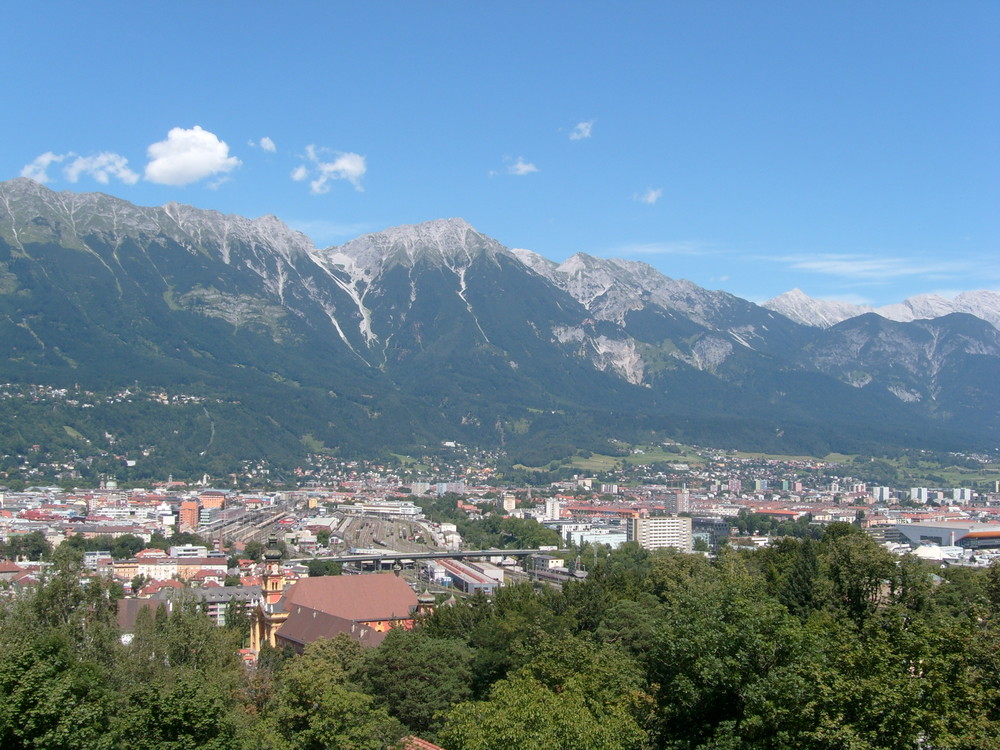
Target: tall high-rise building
961 495
187 517
553 509
658 532
677 502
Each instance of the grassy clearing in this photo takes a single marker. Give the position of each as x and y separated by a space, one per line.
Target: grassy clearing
410 462
650 455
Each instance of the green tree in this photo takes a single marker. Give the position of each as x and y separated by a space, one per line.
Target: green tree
522 713
30 546
315 707
720 640
237 619
860 572
798 588
324 568
126 546
416 677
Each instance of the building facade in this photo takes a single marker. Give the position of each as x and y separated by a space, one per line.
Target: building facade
659 532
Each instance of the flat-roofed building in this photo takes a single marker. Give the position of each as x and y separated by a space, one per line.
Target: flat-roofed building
951 533
660 532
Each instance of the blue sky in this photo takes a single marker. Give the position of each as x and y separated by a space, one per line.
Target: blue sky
851 149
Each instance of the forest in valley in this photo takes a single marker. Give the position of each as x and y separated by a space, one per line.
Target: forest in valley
831 643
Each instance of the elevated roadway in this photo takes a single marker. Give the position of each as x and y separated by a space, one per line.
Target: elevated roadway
450 555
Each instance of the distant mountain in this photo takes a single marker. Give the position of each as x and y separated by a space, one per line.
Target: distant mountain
404 338
801 308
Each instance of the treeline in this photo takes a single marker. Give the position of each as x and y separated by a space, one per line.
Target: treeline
34 546
494 531
826 644
750 523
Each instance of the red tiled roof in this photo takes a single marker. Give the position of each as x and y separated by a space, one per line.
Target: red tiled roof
153 586
305 625
381 596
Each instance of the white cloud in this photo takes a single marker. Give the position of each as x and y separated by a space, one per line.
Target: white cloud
848 297
344 166
521 167
581 131
187 156
649 197
101 167
870 267
38 169
264 143
664 248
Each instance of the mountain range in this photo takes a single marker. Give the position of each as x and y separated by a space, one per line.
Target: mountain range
401 339
803 309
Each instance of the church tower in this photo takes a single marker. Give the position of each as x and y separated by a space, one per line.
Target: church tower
267 618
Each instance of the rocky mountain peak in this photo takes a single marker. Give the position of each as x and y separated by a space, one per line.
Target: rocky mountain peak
31 212
802 308
818 313
452 243
535 262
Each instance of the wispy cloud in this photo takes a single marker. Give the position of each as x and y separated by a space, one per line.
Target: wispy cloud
265 144
521 167
188 155
867 267
100 167
38 170
325 165
848 297
665 248
649 197
582 130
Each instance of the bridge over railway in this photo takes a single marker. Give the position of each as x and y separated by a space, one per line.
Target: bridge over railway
392 556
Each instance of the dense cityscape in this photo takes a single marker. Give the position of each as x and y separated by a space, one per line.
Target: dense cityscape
359 552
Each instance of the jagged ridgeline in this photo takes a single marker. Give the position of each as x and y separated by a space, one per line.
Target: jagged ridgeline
263 346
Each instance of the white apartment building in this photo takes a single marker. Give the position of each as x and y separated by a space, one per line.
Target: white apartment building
553 509
882 494
658 532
